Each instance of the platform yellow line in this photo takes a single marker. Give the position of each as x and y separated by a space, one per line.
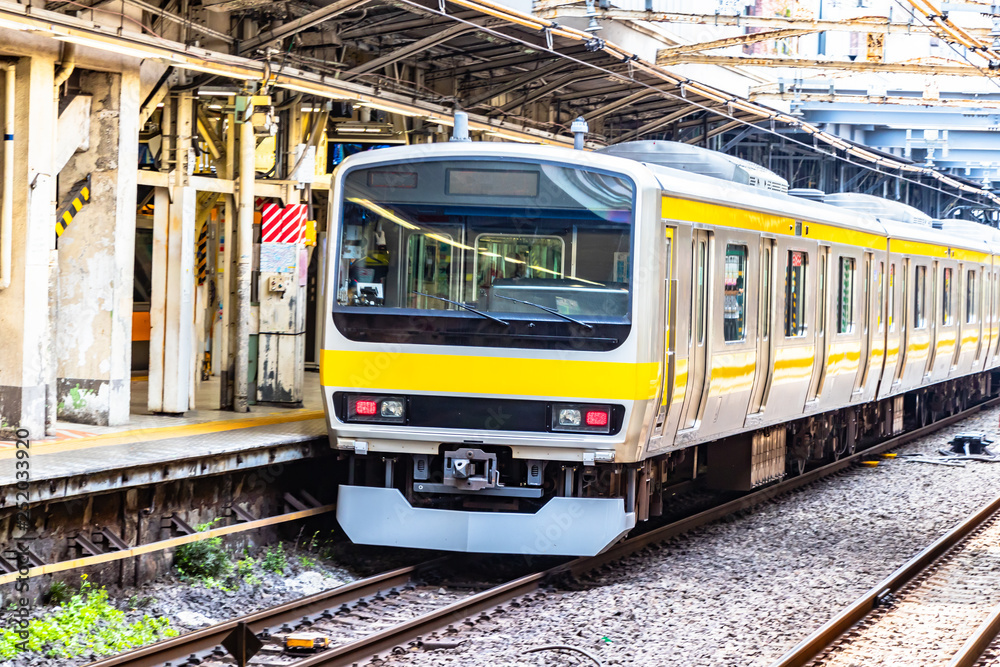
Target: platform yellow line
162 433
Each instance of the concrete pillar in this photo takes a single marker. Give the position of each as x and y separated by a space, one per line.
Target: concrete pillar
171 313
243 267
25 328
96 259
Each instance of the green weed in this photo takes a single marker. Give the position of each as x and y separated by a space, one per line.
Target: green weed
86 623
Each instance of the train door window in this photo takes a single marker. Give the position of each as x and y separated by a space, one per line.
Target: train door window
919 298
795 290
845 296
699 292
765 290
947 302
879 295
970 298
891 314
821 301
429 270
734 306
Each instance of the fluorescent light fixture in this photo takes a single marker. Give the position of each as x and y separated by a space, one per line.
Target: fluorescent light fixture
220 71
384 212
512 137
539 268
115 48
4 23
390 109
445 239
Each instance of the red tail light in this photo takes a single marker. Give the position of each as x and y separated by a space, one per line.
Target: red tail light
596 418
366 408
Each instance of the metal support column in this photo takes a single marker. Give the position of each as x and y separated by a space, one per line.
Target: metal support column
243 268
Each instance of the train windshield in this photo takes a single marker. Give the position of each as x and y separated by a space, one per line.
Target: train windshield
484 250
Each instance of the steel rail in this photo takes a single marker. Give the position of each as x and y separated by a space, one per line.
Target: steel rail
210 637
410 631
809 648
977 644
400 635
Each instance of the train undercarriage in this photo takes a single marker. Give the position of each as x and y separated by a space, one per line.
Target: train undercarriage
484 478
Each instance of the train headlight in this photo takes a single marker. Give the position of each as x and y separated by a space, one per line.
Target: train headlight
376 409
392 407
569 417
581 418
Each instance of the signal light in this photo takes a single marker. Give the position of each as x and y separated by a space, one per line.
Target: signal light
578 418
596 418
375 409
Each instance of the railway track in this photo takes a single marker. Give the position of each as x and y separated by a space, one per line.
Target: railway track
439 618
942 607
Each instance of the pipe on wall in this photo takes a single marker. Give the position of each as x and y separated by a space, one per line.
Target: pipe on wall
66 66
7 194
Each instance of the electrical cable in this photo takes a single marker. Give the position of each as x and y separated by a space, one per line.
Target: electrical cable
704 91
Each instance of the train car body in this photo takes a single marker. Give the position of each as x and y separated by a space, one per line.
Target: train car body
527 349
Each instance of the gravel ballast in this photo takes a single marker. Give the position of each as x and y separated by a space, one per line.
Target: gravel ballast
743 591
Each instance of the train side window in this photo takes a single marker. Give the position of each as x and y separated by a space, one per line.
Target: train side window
821 300
879 295
919 298
795 290
765 328
734 306
699 292
892 297
970 298
845 296
947 302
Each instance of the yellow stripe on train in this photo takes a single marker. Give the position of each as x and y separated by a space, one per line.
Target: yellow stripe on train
511 376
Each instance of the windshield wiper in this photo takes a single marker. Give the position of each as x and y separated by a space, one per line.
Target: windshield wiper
547 310
468 308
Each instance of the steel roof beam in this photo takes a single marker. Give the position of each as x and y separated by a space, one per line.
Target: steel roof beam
455 30
394 24
738 40
551 87
521 80
668 60
876 24
300 24
652 126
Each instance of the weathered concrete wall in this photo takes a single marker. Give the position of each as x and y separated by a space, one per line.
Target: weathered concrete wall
96 255
25 327
142 515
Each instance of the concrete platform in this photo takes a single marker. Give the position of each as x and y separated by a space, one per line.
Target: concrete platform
155 448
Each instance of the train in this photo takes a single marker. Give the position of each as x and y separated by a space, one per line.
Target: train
531 349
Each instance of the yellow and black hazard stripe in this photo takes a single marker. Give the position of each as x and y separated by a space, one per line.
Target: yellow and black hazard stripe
203 254
78 198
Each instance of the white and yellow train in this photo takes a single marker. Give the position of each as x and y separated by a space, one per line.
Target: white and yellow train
528 348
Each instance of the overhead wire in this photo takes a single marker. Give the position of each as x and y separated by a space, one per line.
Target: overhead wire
721 98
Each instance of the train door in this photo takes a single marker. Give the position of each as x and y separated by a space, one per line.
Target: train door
666 418
694 396
932 319
868 286
822 311
905 325
765 344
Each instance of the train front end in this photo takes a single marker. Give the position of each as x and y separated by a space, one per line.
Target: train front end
485 371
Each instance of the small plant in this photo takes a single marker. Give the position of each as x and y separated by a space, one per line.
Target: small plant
203 559
85 623
246 571
59 592
307 562
275 560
